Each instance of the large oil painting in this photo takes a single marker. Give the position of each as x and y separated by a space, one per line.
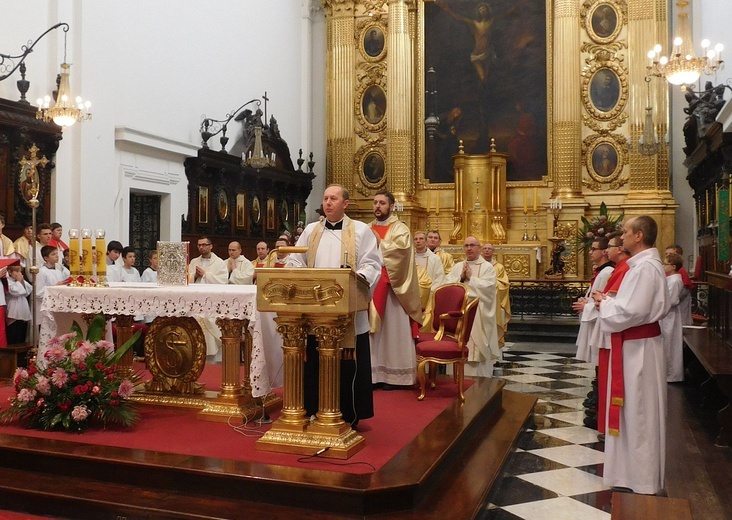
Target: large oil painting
491 82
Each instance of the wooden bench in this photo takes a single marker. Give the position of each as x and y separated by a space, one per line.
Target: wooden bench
628 506
716 358
9 359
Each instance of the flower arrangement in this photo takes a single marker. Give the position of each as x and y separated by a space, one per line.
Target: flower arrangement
596 227
75 384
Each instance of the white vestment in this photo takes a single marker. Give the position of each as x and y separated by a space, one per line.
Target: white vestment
243 271
433 265
216 273
685 306
149 275
368 257
588 338
672 330
636 458
483 343
18 307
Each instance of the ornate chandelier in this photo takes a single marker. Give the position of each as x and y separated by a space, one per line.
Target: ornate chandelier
683 67
66 110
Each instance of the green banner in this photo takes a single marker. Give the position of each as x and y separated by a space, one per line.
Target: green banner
723 223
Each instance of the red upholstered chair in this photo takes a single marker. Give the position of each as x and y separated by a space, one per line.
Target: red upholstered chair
447 311
447 352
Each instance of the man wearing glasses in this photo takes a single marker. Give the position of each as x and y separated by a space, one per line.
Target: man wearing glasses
208 269
480 277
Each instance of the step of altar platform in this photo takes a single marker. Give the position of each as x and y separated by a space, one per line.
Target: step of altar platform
556 330
459 454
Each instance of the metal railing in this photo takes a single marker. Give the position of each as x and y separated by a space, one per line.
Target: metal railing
545 299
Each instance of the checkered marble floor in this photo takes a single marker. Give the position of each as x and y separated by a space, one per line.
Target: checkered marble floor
555 472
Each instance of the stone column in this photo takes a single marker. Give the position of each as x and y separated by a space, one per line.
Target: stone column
400 102
340 62
567 142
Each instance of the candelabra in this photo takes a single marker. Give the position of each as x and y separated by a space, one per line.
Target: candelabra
556 207
535 238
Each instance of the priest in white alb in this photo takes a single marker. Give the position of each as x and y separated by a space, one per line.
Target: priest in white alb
431 265
208 268
480 276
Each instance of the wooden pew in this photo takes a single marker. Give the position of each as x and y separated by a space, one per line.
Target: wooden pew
628 506
9 359
716 357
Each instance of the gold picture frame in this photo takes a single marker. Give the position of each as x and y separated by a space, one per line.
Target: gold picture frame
270 220
603 19
605 156
256 210
241 212
222 205
203 204
372 42
605 88
370 163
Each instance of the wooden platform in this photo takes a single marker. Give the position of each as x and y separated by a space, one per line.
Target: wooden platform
627 506
445 472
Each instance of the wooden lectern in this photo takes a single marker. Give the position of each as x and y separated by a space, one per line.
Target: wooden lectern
321 302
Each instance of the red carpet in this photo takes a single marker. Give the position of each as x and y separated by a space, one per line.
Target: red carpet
399 417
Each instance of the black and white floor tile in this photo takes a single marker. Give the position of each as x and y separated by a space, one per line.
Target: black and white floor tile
555 471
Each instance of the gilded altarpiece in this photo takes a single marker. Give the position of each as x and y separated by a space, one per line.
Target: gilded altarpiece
585 59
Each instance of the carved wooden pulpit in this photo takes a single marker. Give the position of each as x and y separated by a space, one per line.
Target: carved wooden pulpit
322 302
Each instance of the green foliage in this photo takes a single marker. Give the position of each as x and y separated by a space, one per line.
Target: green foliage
598 226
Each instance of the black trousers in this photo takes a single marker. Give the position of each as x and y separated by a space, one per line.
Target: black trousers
357 398
16 332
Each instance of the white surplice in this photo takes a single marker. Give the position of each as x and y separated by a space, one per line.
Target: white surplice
672 330
483 343
588 339
433 265
243 271
636 458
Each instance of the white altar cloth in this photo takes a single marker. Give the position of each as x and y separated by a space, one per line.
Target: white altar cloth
197 301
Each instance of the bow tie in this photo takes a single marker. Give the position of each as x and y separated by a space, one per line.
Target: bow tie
337 225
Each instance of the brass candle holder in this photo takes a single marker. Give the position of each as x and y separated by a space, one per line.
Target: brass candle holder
526 226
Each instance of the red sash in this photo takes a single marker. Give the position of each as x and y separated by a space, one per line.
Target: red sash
617 387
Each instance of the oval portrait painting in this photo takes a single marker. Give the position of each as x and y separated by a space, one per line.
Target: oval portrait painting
373 104
604 20
605 160
373 41
373 168
604 89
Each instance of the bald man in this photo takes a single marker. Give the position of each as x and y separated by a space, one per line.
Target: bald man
241 270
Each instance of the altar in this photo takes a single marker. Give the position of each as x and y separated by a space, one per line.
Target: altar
232 306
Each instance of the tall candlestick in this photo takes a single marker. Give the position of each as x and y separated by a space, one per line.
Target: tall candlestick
74 252
438 203
535 200
101 248
86 248
525 196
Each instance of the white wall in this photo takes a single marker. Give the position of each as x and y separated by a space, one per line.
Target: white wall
711 19
151 70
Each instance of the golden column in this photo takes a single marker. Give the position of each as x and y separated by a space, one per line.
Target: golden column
567 142
340 60
647 26
400 104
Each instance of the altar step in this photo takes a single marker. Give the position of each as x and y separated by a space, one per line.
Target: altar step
460 453
556 330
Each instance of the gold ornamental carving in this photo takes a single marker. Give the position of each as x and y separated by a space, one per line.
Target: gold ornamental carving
605 157
369 163
320 292
371 38
517 265
175 354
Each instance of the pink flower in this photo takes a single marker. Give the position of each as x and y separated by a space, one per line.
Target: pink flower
20 374
106 345
79 413
43 385
65 337
95 390
601 231
59 377
125 389
56 353
26 395
589 235
78 355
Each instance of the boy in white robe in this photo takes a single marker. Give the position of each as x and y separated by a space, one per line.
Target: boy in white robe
672 323
18 311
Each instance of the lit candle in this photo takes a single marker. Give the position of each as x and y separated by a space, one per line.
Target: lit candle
535 200
101 249
74 252
525 196
86 248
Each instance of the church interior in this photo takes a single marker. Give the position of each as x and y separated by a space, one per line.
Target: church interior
517 122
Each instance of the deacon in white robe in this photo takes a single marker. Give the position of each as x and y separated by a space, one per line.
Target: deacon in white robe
635 447
208 269
480 276
672 323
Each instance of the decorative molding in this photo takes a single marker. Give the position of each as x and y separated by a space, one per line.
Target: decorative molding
130 138
597 32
